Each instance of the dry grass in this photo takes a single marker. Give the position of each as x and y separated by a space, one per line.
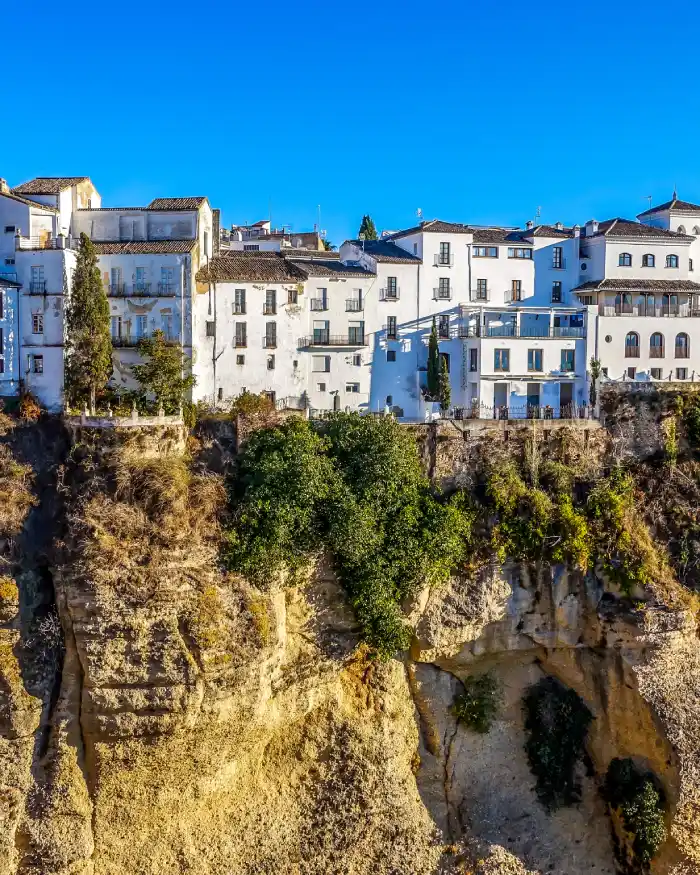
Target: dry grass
15 493
8 590
259 610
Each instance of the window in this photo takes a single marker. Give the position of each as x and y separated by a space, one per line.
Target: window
356 333
321 332
625 259
292 296
2 361
444 257
681 229
519 252
220 394
690 265
473 359
352 387
270 335
37 285
481 290
501 359
321 363
116 327
556 292
671 261
270 308
391 327
516 290
586 300
444 325
558 258
443 291
320 387
632 345
648 260
681 373
241 335
166 325
167 280
682 346
391 355
37 323
485 251
391 287
656 373
38 364
211 329
240 359
250 247
568 360
141 326
623 304
389 400
271 363
2 304
534 359
9 229
2 342
656 345
9 261
239 302
357 361
669 305
631 373
415 249
646 305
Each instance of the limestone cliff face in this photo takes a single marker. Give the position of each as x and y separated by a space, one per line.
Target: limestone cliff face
197 725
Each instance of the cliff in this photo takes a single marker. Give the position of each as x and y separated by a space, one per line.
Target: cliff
159 714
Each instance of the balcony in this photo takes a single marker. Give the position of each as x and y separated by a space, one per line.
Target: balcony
558 264
318 303
141 289
656 352
353 305
632 351
511 295
239 310
125 341
390 294
166 289
240 342
480 295
323 338
444 260
269 309
528 332
442 294
681 310
269 342
37 287
116 289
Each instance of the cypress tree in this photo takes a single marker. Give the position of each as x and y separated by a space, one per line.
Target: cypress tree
433 363
368 228
165 374
445 391
88 364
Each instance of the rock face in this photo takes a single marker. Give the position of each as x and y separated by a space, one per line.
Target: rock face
198 725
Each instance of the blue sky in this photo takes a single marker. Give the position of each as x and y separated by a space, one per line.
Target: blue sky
472 112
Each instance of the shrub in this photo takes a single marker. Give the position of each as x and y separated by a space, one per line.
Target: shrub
557 722
29 408
249 404
635 795
258 607
478 706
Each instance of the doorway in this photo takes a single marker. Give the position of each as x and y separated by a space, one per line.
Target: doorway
566 400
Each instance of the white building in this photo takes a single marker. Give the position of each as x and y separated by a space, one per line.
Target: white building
262 237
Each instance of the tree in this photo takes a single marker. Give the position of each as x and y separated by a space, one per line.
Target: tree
165 374
444 391
595 376
328 246
368 228
433 363
88 364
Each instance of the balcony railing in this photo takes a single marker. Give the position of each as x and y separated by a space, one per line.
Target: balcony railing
117 289
444 260
481 295
353 305
442 294
269 342
167 289
558 264
682 352
390 294
511 295
269 309
656 352
683 310
534 332
37 287
631 352
141 289
318 303
240 342
125 341
239 309
323 338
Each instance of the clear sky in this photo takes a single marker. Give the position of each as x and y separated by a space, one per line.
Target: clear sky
476 112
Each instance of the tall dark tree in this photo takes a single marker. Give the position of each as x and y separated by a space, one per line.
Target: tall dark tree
88 365
595 373
368 228
328 246
433 363
165 374
445 392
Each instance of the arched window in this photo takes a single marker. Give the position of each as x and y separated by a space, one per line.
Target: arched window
669 305
623 304
671 261
648 260
696 230
681 229
646 305
682 346
632 345
625 259
656 345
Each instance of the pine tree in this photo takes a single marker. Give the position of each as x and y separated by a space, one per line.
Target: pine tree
368 228
445 393
595 373
88 364
164 375
433 363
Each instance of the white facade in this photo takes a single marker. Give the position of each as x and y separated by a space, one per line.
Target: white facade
9 337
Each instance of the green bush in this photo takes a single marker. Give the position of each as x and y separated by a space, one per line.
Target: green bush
478 706
633 792
557 722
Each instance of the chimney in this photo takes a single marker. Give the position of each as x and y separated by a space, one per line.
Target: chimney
4 187
529 224
591 227
215 231
559 226
577 231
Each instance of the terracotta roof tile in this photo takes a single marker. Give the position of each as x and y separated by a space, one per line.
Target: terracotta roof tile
385 250
627 228
268 267
549 231
49 184
144 247
435 226
632 285
330 268
176 203
500 235
675 205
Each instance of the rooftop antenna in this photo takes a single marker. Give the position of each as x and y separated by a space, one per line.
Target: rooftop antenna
319 216
362 237
419 213
675 192
649 198
538 214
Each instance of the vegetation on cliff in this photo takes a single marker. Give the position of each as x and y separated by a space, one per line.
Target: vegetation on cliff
634 794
